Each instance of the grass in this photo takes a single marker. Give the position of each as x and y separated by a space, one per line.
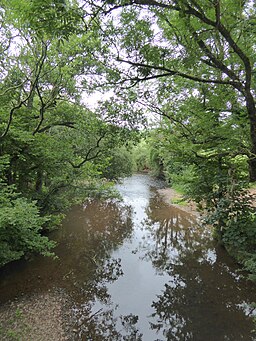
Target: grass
178 188
252 185
179 201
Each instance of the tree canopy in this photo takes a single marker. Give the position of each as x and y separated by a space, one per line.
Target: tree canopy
192 48
54 150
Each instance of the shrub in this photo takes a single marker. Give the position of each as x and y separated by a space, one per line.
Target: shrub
20 228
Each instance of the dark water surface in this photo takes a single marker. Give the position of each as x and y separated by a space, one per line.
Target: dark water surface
139 270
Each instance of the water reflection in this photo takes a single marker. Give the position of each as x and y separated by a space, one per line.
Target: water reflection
169 232
85 243
84 267
139 270
102 325
199 301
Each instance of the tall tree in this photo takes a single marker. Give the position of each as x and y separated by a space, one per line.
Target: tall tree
53 150
207 42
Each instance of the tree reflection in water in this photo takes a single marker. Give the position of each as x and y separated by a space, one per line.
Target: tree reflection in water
81 272
108 224
177 285
200 301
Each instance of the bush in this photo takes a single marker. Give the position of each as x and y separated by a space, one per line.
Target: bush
20 228
234 219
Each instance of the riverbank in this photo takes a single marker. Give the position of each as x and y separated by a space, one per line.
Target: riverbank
37 317
174 198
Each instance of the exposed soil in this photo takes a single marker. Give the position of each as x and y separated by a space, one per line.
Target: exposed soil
172 197
40 317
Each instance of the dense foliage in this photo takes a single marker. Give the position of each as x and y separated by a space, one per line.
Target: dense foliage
54 151
188 63
192 65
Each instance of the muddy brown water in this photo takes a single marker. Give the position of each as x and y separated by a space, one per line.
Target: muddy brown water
139 270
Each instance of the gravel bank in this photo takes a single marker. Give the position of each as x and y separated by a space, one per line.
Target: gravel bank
39 317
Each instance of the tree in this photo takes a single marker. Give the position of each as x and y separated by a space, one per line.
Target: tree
53 150
209 43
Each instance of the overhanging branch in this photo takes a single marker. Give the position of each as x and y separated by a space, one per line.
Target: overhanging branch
169 72
88 156
65 124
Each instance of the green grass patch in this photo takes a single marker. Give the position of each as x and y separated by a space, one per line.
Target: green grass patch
178 188
252 185
179 201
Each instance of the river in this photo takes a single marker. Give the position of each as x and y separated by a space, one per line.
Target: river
138 269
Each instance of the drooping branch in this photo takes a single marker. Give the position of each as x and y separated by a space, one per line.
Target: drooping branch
39 67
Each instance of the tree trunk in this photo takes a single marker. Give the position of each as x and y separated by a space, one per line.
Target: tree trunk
252 169
251 109
39 181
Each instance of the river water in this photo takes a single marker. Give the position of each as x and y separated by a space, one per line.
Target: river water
139 270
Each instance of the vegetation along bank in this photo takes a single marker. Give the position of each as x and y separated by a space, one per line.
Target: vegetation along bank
176 76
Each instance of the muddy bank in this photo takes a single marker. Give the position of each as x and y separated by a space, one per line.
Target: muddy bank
172 197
